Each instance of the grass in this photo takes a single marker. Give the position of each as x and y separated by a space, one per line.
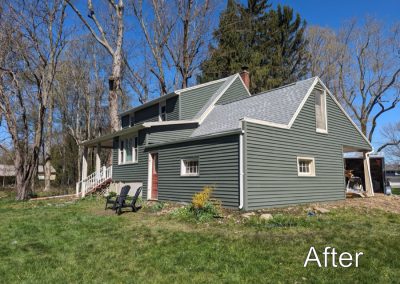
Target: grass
396 191
71 242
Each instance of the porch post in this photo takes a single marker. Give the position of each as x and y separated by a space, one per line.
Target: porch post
84 170
98 162
367 175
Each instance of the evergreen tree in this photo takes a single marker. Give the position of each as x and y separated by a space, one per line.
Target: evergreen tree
270 42
228 56
286 44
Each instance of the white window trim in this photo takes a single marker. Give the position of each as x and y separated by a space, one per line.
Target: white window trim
160 105
183 174
312 167
320 130
135 158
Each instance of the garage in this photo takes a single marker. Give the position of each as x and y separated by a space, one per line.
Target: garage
354 164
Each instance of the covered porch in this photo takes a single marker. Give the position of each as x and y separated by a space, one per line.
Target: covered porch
101 177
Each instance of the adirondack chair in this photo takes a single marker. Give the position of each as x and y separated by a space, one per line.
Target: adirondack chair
115 201
123 204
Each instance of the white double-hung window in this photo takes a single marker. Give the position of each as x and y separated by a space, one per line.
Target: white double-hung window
320 111
190 167
128 150
305 166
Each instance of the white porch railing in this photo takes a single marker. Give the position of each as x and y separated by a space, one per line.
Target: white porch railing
94 180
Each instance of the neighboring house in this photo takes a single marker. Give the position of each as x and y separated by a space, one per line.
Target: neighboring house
284 146
40 173
7 173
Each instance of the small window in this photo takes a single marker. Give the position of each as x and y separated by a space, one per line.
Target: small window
305 166
190 167
163 111
128 150
320 111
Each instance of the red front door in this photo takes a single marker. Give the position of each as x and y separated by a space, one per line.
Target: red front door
154 176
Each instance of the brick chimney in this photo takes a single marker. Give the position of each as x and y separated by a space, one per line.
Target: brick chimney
245 76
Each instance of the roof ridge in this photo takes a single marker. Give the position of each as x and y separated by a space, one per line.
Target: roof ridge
269 91
285 86
200 85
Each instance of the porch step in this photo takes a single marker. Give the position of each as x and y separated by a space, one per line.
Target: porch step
94 182
100 186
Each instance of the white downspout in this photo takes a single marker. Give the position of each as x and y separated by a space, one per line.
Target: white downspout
241 172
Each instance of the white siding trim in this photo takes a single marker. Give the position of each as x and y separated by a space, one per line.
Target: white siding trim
312 172
263 122
149 176
303 102
322 130
171 122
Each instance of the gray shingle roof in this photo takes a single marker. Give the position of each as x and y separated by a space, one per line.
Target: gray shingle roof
276 106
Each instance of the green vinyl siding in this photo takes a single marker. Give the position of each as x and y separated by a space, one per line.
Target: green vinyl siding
192 101
172 107
218 166
167 133
235 92
148 114
218 159
271 157
134 172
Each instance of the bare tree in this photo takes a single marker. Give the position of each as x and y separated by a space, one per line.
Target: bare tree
30 46
391 133
81 96
324 51
175 33
188 38
361 65
112 44
156 30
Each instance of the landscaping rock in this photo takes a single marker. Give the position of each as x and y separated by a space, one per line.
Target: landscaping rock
248 215
266 216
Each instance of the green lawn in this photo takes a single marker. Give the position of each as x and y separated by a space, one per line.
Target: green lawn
396 191
59 242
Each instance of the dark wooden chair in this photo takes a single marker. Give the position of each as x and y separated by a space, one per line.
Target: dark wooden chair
115 201
123 204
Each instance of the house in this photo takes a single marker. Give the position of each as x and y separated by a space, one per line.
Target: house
280 147
40 173
7 173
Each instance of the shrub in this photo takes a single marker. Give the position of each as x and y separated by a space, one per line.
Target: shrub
202 208
200 200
